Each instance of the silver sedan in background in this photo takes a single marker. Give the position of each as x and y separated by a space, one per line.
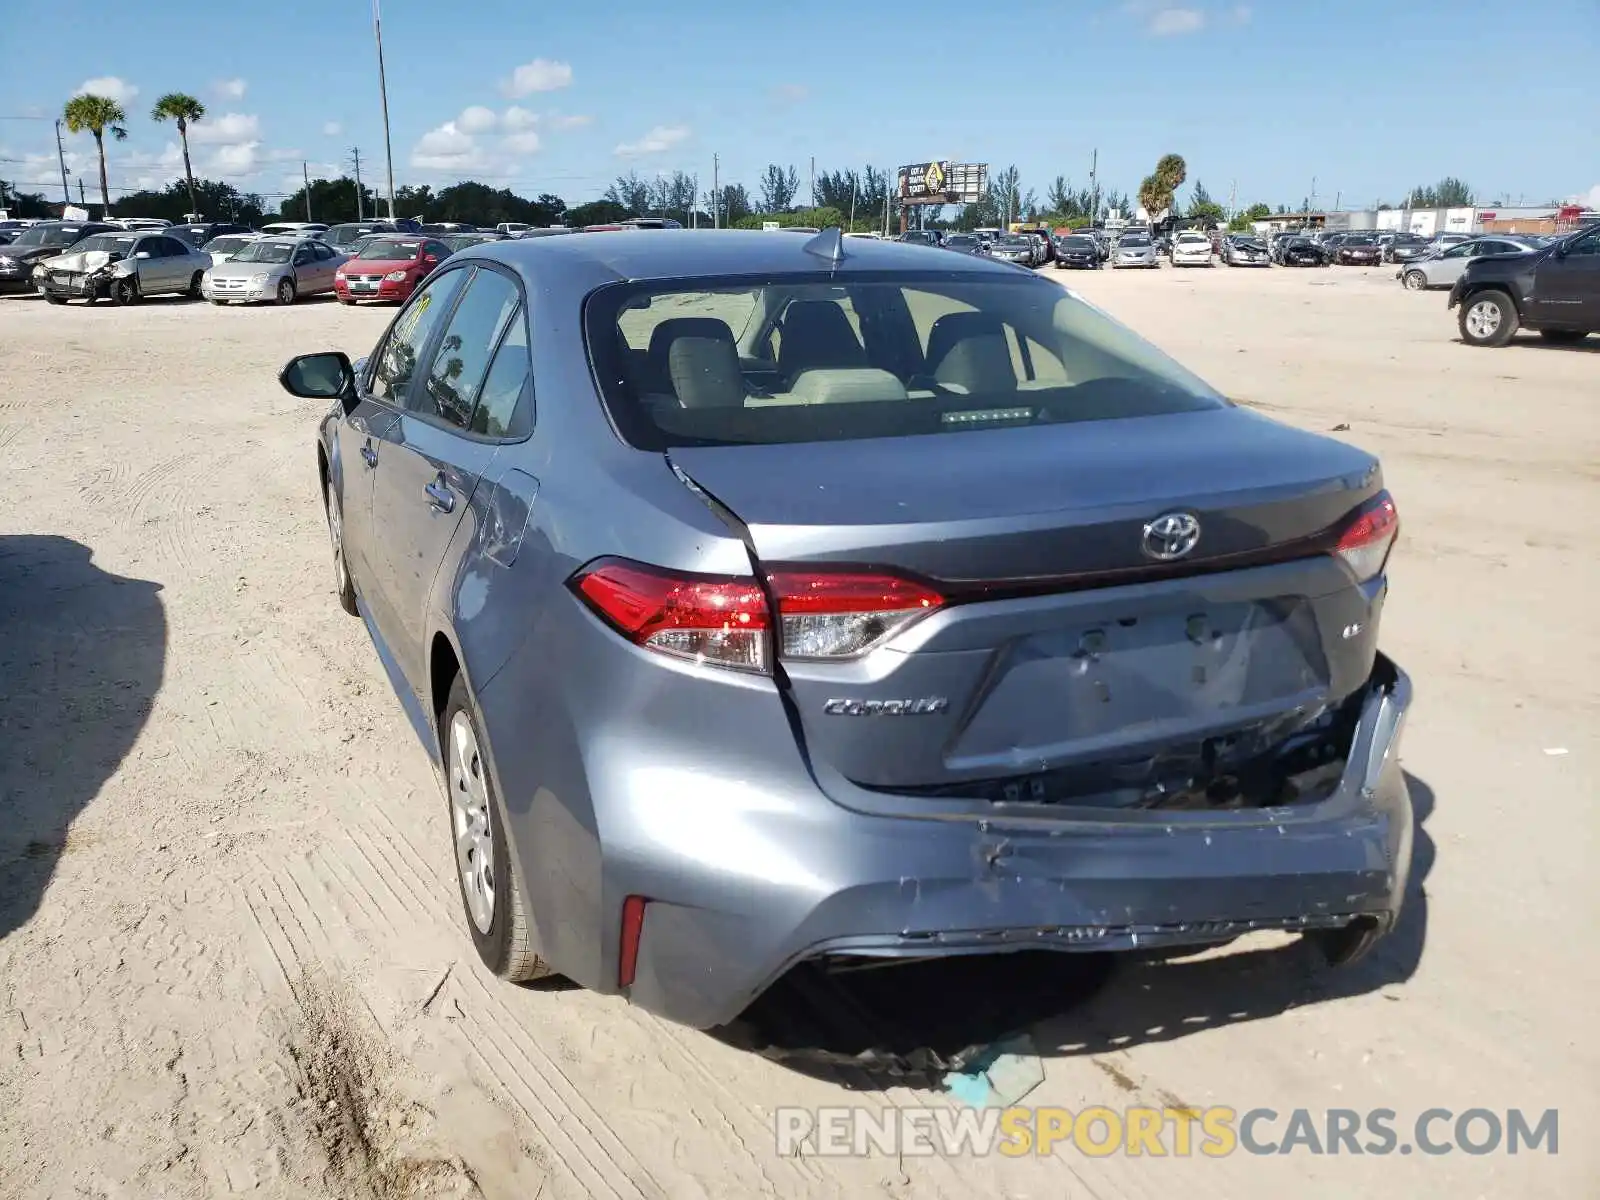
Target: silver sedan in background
1442 270
221 249
1135 250
280 269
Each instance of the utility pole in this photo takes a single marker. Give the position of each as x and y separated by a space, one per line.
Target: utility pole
813 182
1336 196
694 204
716 191
305 173
355 152
1094 185
383 90
1312 199
1233 199
82 203
61 156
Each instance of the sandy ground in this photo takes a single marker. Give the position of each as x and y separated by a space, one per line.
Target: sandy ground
231 950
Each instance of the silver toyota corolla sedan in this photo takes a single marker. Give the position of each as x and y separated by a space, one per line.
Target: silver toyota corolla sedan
761 607
280 269
1443 269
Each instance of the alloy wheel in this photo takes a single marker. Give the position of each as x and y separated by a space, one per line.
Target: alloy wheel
1483 320
341 573
469 822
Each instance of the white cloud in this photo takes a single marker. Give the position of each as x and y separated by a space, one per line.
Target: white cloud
232 89
518 120
570 120
522 143
238 159
446 148
662 137
476 119
108 86
540 75
1174 22
230 129
332 129
790 93
1589 199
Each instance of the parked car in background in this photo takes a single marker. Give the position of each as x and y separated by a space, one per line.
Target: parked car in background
1245 250
345 236
1077 251
513 228
1191 248
1554 289
1044 248
388 268
460 241
1302 252
295 229
1444 241
1358 250
1135 250
1014 248
1406 247
717 685
221 249
277 269
199 233
38 242
123 265
964 243
1442 270
438 228
921 237
139 223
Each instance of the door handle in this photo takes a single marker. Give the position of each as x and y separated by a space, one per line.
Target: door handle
439 493
369 454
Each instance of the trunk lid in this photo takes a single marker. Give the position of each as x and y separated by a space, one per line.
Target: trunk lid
1062 644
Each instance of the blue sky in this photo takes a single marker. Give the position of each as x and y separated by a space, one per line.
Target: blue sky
1368 98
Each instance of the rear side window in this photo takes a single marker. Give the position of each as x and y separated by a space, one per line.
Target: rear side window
505 405
396 363
468 344
807 358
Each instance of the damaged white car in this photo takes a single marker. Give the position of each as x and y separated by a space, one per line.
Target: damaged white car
123 267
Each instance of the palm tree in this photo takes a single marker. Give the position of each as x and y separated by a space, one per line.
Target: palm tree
97 115
185 110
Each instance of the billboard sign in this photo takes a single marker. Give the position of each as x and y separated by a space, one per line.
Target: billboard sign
942 182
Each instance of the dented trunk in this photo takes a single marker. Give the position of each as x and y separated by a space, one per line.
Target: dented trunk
1072 662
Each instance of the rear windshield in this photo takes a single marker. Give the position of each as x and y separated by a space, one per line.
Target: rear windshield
802 358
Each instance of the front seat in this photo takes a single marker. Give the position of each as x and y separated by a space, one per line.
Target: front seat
970 350
669 331
817 335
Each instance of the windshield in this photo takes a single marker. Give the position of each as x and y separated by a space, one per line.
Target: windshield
389 250
1359 241
265 252
1077 243
961 239
1192 237
803 358
1134 241
226 245
44 235
110 243
1014 242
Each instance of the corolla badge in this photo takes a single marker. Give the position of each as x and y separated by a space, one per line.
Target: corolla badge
921 706
1171 536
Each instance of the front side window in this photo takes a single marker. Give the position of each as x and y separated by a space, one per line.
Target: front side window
877 356
1464 250
396 363
469 341
1585 244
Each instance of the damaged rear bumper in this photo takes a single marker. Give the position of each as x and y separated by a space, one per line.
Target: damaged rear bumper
813 885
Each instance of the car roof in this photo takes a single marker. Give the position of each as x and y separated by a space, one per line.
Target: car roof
688 253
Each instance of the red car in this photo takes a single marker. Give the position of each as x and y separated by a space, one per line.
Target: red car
388 268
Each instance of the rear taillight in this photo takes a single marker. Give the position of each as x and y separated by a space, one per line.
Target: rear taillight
726 621
706 618
1365 543
840 615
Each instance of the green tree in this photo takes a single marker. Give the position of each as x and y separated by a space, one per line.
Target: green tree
24 204
597 212
630 192
733 205
778 188
1449 192
822 218
185 110
1256 212
1203 208
98 115
219 201
332 201
1158 190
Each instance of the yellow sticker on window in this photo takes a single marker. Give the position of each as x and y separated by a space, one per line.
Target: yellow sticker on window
422 305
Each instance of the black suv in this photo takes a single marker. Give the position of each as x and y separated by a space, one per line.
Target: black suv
1555 290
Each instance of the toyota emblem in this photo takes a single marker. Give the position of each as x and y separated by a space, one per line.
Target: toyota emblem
1171 536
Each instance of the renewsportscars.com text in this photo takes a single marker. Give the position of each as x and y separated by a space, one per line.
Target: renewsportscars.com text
1214 1132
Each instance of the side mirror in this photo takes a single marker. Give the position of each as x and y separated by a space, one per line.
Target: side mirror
142 254
325 376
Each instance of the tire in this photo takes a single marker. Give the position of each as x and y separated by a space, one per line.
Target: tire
501 931
194 285
220 303
285 294
1488 319
342 300
1414 281
342 583
52 298
1563 337
125 291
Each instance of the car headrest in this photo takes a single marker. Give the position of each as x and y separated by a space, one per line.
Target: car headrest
958 326
845 385
673 328
970 350
705 372
816 333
